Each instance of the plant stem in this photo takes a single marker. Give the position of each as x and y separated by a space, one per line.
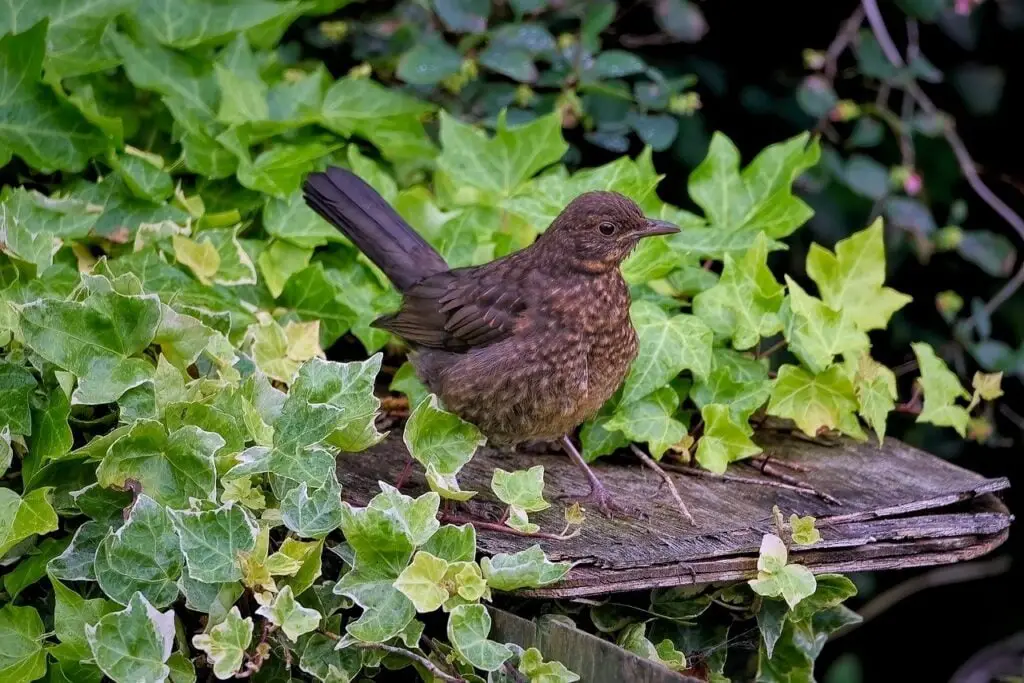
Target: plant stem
647 460
446 518
423 661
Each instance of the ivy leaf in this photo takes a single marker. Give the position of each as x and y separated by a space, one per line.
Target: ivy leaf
143 174
748 293
211 541
292 221
759 198
49 133
234 265
34 227
816 333
775 577
133 645
468 628
16 387
803 530
71 614
941 390
421 582
523 488
280 351
279 171
417 517
21 517
193 22
850 280
726 439
226 643
440 439
171 467
532 665
816 402
291 617
528 568
22 658
650 420
316 514
736 381
32 567
324 662
667 346
987 386
214 599
76 563
143 556
453 543
314 297
279 261
95 340
875 385
502 163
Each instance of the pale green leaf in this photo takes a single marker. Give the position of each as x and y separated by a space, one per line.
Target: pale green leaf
522 488
21 517
528 568
22 658
816 333
421 582
453 543
288 615
533 666
941 390
726 438
225 644
803 530
71 614
33 227
468 628
825 401
417 516
211 541
440 439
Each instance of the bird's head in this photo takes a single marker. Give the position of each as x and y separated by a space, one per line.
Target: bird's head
598 230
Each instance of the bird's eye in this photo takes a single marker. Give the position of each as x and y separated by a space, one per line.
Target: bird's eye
607 228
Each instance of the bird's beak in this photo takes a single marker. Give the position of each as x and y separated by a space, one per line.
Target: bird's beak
656 227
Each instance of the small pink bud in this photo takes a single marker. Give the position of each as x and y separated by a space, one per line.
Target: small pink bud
962 7
912 183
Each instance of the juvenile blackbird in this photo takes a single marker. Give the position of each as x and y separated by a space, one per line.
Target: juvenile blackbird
525 347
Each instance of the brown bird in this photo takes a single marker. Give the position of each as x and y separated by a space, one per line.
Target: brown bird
526 347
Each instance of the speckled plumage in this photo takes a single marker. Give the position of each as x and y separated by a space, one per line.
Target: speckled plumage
526 347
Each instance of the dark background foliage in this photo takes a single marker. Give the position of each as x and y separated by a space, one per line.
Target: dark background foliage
743 68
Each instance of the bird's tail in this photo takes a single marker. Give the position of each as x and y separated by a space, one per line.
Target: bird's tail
348 203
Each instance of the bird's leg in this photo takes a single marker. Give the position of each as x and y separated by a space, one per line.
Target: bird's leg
598 495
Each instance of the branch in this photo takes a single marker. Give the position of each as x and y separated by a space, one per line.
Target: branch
423 661
963 157
646 459
842 41
696 472
446 518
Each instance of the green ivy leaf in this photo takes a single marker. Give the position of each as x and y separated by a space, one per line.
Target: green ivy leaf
528 568
875 385
468 628
32 567
95 340
313 514
748 293
322 660
71 614
775 577
171 467
35 227
143 174
49 133
815 402
279 261
453 543
225 644
312 295
667 346
736 381
21 517
16 386
523 488
726 439
143 556
850 280
76 563
761 197
22 658
941 390
817 333
133 645
440 439
211 541
193 22
292 221
650 420
503 163
416 516
532 665
803 530
291 617
421 582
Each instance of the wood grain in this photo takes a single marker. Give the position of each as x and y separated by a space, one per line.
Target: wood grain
898 507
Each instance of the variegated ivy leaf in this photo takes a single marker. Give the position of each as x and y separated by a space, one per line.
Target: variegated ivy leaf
133 645
225 644
817 333
212 540
417 516
439 439
528 568
422 581
468 628
875 386
288 615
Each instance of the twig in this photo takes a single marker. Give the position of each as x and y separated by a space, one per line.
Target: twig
446 518
763 460
842 41
423 661
793 481
966 163
772 349
736 479
260 653
942 576
647 460
404 474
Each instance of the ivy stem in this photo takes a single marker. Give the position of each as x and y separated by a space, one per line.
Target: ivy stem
772 349
400 482
435 670
647 460
446 518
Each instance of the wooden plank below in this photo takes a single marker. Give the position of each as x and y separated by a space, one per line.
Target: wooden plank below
897 506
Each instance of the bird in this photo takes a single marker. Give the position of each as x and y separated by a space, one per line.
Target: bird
526 347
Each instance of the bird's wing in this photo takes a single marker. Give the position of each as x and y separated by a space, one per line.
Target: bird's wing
460 309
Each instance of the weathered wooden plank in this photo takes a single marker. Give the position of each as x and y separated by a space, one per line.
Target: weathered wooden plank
898 506
595 660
